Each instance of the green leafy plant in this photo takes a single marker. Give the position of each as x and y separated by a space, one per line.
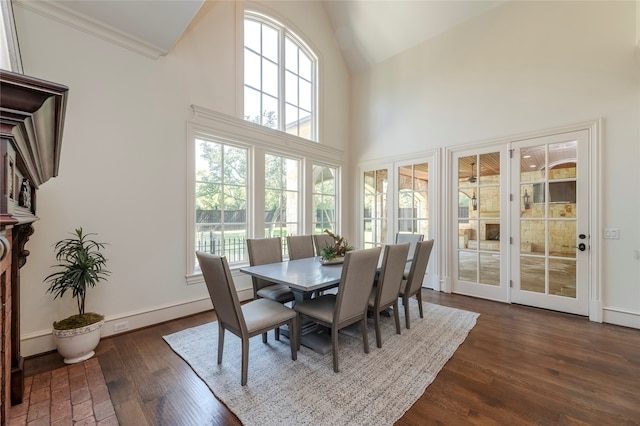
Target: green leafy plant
81 266
338 249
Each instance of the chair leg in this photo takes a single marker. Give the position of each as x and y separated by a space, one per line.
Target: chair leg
365 334
264 337
293 337
376 320
276 332
245 360
419 298
405 302
396 316
299 321
220 342
334 344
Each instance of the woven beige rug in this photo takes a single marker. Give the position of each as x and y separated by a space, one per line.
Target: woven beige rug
375 388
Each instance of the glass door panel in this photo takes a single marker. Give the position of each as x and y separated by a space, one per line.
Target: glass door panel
374 213
547 259
479 220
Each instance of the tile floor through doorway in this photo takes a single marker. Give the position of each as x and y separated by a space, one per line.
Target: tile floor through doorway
73 395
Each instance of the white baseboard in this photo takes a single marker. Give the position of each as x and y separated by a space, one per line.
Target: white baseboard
619 316
42 341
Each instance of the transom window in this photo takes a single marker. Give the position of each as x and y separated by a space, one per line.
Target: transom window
280 75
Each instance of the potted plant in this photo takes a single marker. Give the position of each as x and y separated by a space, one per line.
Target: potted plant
335 253
81 265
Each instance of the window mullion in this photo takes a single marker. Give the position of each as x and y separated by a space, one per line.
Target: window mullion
281 84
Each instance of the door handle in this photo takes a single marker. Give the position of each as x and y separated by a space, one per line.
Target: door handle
582 247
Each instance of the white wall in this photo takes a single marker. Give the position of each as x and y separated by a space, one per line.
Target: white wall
123 163
523 67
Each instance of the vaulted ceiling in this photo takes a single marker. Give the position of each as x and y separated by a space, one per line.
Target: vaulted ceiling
367 31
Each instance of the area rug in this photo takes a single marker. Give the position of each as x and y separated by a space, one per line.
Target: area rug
374 388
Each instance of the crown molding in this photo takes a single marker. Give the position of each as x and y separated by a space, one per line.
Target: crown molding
60 13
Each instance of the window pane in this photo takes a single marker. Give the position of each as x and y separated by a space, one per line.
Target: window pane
291 115
272 166
532 162
282 211
290 173
208 161
405 177
270 43
271 203
252 35
369 182
381 181
207 196
251 69
562 160
291 88
324 198
252 105
235 165
270 112
305 95
421 177
305 66
291 55
269 77
290 205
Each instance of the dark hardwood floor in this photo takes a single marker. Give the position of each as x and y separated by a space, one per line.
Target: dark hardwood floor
518 366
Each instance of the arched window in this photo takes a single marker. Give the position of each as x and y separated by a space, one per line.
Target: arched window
280 75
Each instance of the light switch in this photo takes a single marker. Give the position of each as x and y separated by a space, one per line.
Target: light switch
612 233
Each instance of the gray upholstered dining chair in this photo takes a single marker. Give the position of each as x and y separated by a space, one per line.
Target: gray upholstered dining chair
322 240
385 292
413 284
350 304
300 246
261 252
412 239
247 320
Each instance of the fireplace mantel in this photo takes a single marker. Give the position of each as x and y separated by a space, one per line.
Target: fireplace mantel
31 122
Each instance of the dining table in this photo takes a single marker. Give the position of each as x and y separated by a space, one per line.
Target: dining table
305 277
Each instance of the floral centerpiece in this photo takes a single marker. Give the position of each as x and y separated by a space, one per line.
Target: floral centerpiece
335 253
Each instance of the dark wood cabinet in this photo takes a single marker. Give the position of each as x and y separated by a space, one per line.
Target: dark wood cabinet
31 122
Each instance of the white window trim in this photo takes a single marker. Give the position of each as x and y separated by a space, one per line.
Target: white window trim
259 140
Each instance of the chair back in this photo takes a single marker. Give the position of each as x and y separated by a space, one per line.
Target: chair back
263 251
321 241
391 272
222 291
300 246
356 282
418 266
412 239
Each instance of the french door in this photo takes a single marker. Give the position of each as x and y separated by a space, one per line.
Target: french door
550 226
521 223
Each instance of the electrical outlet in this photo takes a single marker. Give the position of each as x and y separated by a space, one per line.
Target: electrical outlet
121 326
612 233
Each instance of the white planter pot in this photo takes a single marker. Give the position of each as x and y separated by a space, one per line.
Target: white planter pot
77 344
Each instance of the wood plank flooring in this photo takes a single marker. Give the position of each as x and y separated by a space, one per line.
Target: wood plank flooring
518 366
